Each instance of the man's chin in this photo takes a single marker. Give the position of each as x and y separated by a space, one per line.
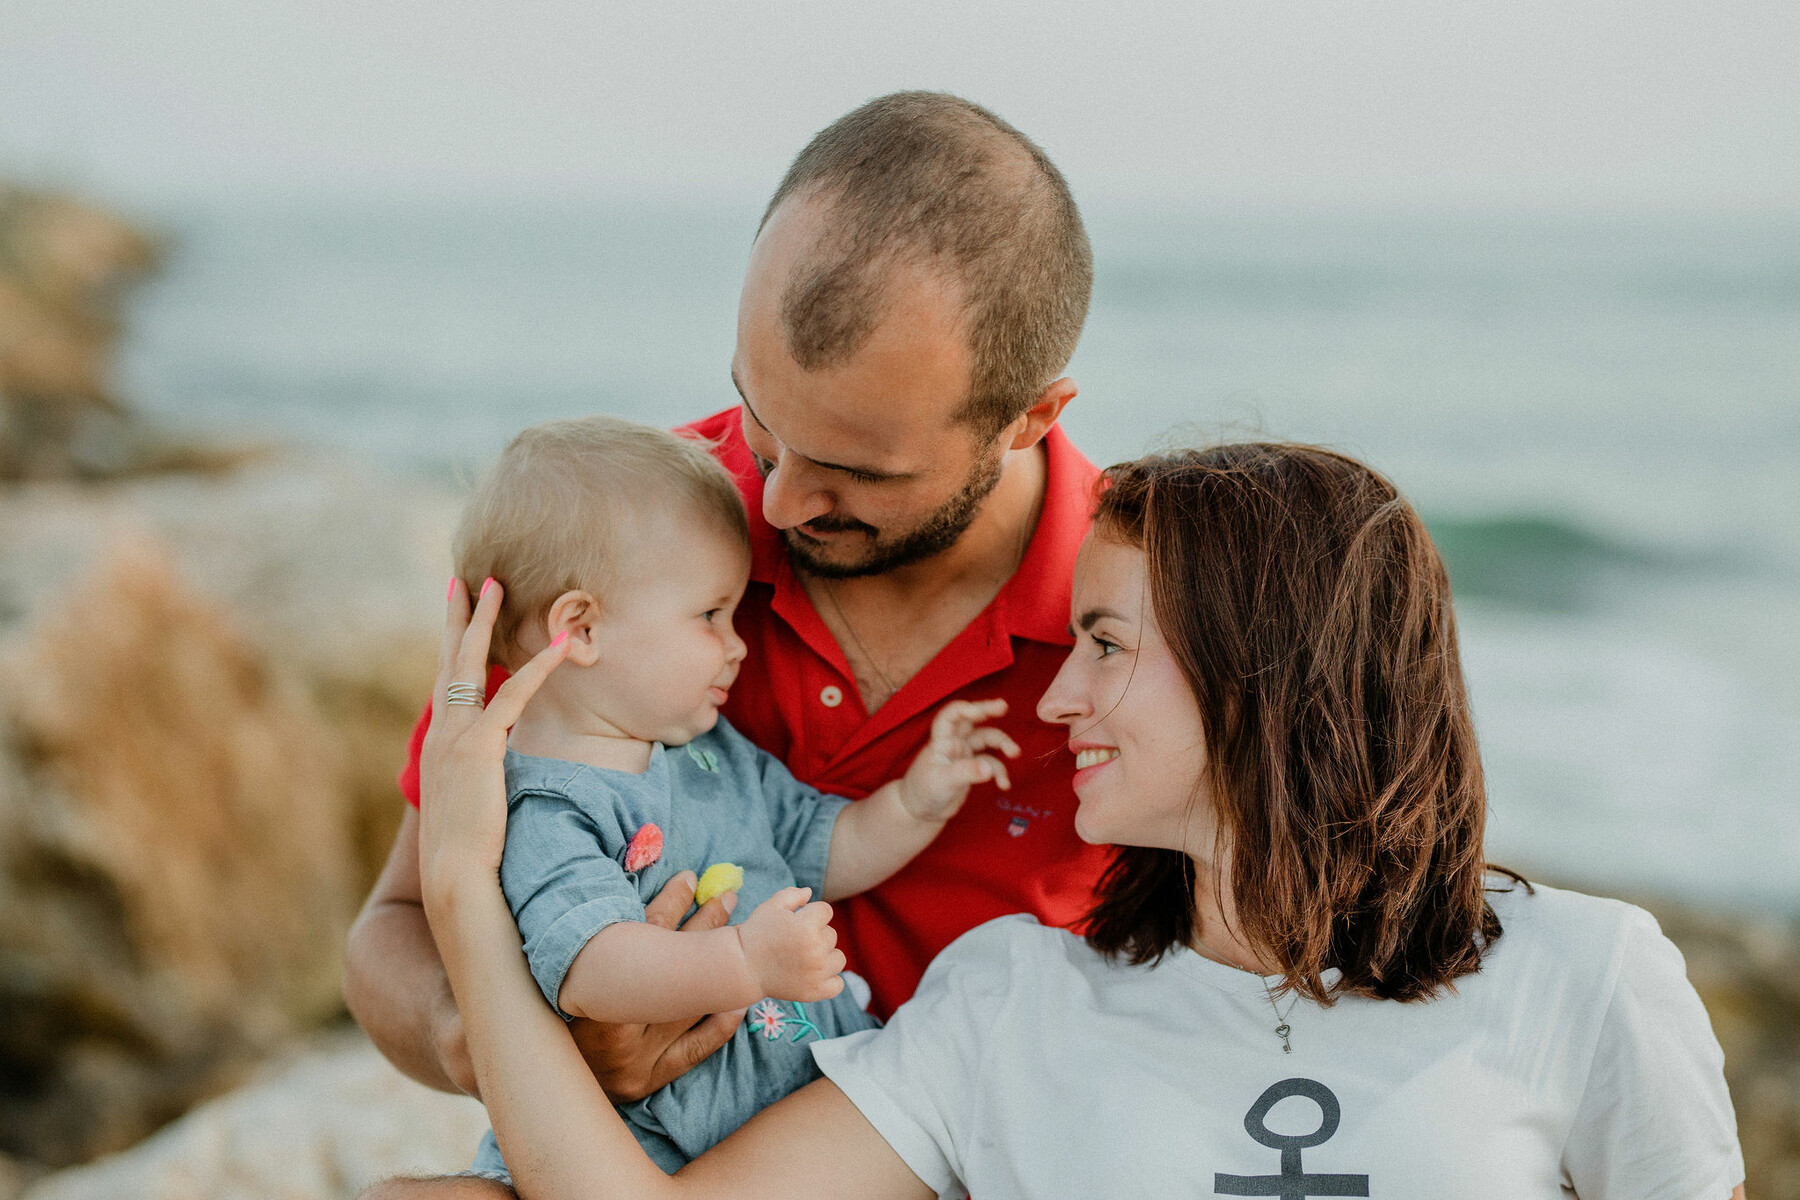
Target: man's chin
841 557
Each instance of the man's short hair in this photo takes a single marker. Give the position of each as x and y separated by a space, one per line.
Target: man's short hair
926 178
567 498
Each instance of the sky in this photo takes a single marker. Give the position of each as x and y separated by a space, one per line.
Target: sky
1577 104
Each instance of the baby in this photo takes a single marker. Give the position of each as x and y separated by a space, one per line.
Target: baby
620 773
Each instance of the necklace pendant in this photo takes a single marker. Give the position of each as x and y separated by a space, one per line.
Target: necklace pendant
1282 1031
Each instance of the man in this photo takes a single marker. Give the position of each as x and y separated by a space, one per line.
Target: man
916 289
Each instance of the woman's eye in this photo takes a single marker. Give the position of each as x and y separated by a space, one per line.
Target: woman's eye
1106 647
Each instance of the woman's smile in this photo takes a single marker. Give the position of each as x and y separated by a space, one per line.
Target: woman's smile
1089 760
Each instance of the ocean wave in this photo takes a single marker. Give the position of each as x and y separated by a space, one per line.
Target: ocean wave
1547 563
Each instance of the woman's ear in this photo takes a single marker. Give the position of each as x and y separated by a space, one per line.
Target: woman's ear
577 614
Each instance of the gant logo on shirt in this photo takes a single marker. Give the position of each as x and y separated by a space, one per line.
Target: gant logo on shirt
1023 815
1293 1183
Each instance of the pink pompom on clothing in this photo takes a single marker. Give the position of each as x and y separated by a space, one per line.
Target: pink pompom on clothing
645 848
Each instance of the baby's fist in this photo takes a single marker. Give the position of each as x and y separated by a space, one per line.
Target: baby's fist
792 948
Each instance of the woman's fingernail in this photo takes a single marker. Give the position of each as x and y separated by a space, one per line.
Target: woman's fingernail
729 901
486 584
559 639
451 594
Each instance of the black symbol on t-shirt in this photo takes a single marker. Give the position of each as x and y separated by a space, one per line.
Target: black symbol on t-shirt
1293 1183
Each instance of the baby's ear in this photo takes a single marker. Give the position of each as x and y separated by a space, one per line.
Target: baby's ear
576 613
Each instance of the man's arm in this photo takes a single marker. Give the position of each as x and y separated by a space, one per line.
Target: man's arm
394 981
396 988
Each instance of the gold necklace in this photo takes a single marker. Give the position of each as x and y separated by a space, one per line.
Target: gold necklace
843 618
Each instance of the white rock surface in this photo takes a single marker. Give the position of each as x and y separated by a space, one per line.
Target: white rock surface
321 1124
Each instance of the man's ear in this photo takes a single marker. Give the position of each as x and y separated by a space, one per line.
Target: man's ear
1030 426
577 614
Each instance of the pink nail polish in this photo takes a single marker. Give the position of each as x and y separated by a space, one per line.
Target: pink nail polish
451 594
485 585
558 640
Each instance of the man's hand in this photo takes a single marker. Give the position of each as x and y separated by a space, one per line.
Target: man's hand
631 1061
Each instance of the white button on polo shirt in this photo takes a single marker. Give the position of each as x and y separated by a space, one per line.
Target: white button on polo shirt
832 696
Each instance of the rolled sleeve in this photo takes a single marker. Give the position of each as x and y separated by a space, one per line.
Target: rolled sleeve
553 952
916 1079
917 1137
560 883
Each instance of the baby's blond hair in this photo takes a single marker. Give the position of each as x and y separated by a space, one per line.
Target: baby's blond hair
552 515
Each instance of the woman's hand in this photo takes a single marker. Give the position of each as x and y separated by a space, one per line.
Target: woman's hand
462 810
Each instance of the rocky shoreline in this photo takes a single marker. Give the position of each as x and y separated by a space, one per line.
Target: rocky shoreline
209 663
208 683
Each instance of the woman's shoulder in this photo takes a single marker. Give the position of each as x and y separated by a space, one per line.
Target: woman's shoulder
997 953
1557 916
1017 935
1551 930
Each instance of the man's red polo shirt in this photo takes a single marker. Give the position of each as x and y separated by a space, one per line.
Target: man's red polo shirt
1005 852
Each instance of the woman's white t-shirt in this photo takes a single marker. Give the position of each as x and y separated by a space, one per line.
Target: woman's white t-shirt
1578 1060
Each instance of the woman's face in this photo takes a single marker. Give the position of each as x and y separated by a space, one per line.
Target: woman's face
1134 726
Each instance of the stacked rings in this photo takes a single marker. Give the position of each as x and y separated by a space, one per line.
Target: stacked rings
466 693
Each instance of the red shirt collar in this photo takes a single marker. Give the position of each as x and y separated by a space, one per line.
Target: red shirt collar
1033 604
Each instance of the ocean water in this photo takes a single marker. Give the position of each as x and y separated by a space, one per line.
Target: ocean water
1599 418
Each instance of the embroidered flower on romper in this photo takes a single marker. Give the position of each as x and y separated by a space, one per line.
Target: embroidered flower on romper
707 760
768 1019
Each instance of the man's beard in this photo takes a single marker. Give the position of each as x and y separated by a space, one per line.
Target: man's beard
932 536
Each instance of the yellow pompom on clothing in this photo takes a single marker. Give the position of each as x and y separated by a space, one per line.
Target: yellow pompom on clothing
717 880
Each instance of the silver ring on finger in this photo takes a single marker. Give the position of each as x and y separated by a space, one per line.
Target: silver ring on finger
472 694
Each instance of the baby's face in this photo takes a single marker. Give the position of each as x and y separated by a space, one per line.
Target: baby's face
668 654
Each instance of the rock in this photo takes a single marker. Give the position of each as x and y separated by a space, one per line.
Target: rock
12 1179
207 688
321 1123
64 266
1747 970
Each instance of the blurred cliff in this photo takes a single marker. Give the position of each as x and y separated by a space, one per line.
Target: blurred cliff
63 268
209 661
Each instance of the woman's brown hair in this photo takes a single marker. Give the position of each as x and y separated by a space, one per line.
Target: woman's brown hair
1307 608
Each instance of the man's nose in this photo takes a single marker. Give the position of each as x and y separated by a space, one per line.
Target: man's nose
790 498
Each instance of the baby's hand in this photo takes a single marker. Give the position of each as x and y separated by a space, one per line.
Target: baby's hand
792 947
939 779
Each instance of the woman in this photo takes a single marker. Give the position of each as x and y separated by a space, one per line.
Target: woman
1300 978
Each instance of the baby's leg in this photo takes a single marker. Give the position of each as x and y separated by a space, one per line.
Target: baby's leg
442 1187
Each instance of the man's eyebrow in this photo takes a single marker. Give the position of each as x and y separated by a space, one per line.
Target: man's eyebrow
864 472
1093 617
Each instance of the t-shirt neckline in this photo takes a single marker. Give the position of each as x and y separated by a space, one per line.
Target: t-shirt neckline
1227 978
